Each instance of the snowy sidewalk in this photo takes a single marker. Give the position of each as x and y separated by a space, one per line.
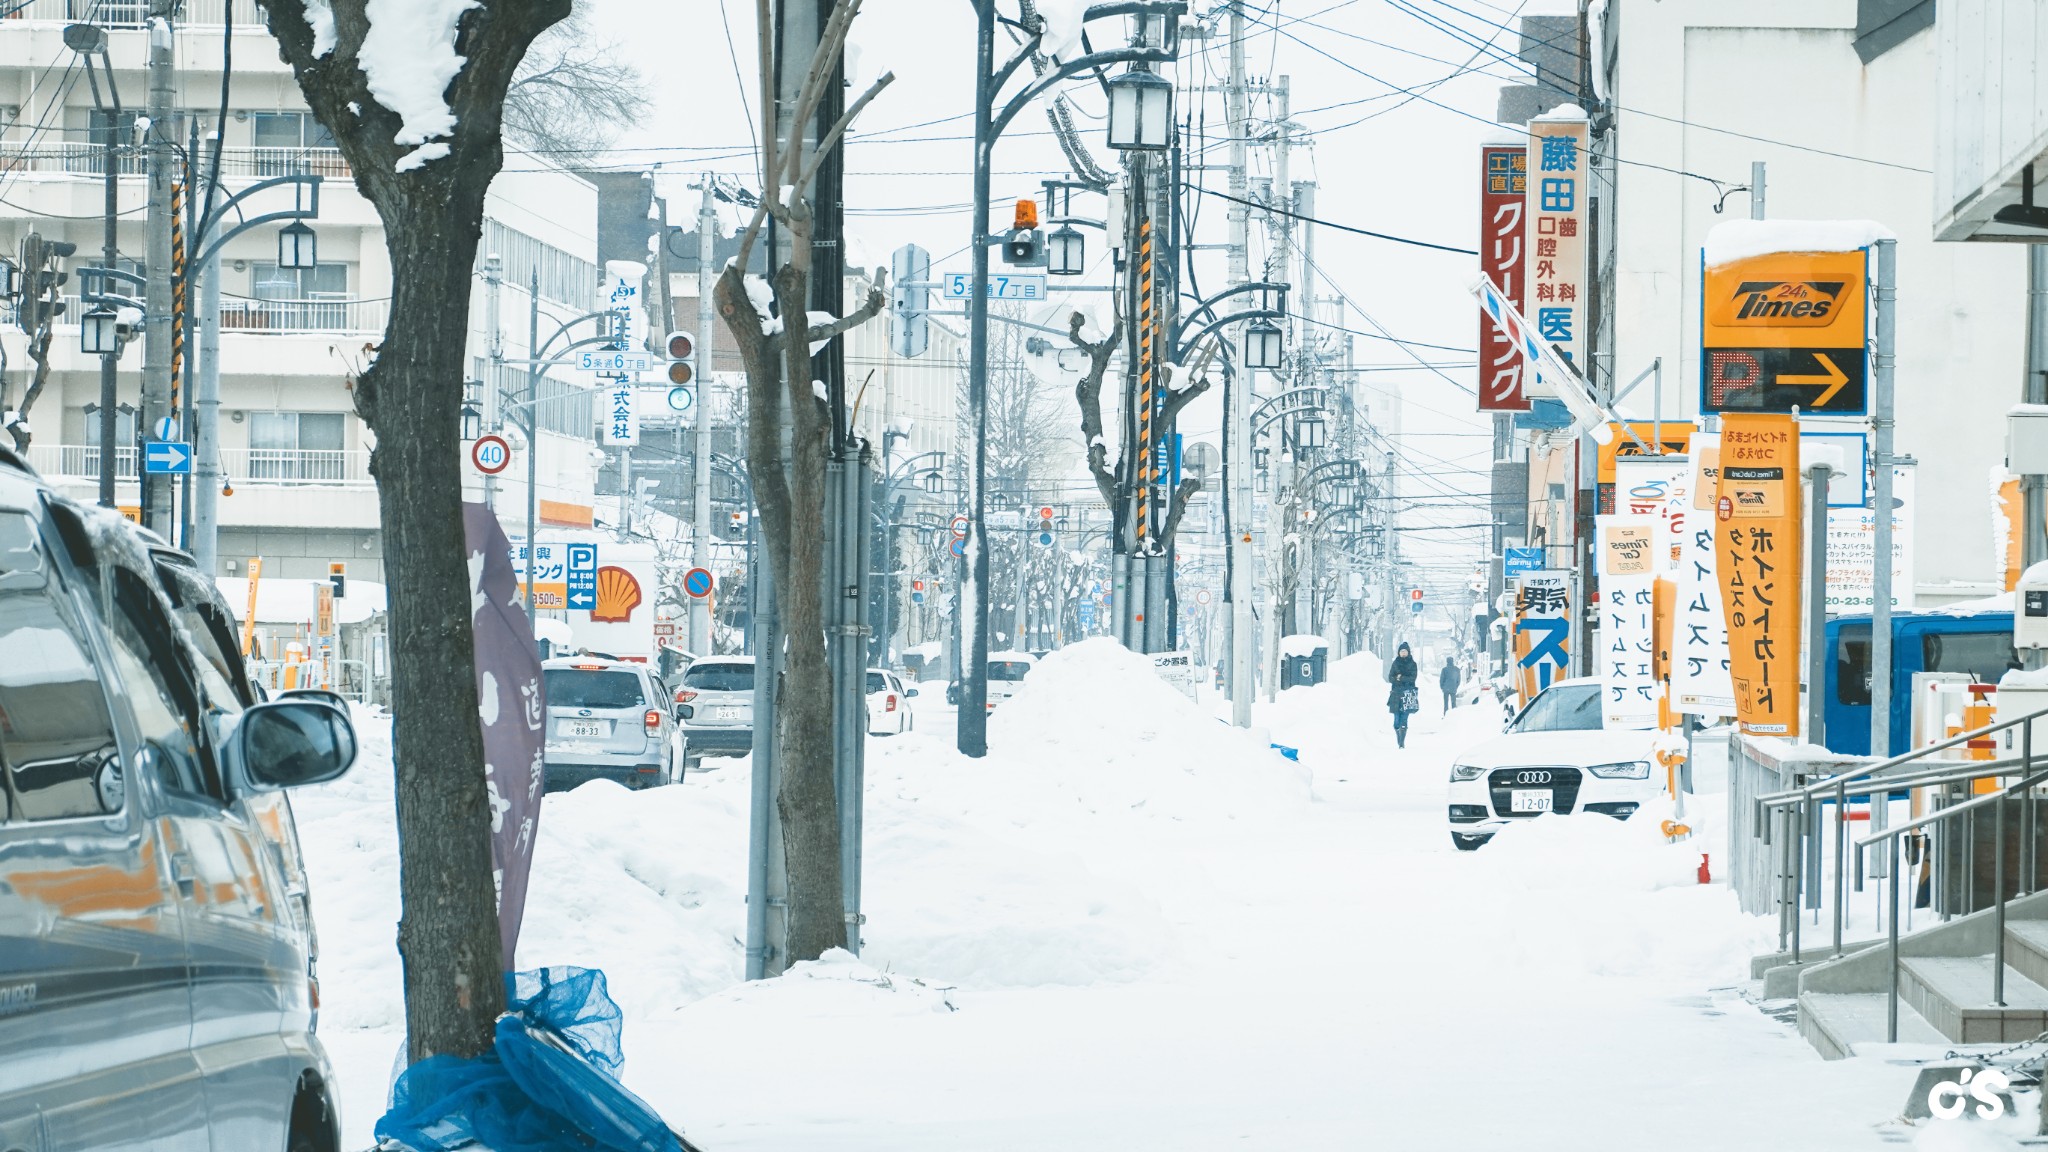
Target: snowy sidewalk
1119 932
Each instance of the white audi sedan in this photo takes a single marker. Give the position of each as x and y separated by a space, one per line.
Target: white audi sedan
1556 758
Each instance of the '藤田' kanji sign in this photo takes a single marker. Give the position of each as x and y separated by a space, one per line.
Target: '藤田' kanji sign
1504 170
1757 514
1785 330
1556 202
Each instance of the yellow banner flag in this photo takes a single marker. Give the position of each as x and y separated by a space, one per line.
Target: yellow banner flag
1757 530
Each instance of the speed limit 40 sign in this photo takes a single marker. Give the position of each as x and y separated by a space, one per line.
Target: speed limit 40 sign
490 454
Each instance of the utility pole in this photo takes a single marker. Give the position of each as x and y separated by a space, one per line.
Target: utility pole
1816 603
110 256
1881 502
700 535
206 477
160 324
494 283
1239 589
1279 268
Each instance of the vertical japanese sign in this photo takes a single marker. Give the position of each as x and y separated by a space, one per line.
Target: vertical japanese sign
1543 630
1504 170
1757 514
1557 199
512 705
620 416
1628 566
1700 681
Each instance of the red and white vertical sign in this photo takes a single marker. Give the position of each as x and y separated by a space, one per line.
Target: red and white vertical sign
1505 171
1559 194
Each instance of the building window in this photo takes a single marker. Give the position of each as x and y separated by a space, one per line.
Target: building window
563 278
289 299
288 130
297 445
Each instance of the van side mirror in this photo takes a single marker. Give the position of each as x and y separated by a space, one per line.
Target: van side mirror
290 743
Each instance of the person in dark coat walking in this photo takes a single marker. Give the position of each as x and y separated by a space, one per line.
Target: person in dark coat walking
1448 681
1402 698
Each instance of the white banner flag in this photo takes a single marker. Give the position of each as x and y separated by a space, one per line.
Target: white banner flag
1700 680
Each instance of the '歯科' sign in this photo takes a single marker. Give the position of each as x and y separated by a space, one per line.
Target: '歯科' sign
1757 515
1785 330
1556 203
1504 172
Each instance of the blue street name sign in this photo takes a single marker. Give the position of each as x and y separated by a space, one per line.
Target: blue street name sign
582 576
167 456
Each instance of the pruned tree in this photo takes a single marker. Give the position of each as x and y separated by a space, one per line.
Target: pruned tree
425 161
774 331
36 313
574 93
1110 476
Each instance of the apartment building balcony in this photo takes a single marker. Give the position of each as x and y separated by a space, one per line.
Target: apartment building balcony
125 13
242 467
85 158
324 314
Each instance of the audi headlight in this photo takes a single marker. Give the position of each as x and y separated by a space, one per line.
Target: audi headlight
1625 770
1463 772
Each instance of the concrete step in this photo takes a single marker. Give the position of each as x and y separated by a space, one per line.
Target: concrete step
1953 993
2026 948
1835 1022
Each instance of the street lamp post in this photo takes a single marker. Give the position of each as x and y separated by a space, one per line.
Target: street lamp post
989 122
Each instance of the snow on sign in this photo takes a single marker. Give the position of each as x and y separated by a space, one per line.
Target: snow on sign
1001 286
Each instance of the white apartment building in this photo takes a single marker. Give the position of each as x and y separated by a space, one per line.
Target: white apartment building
1848 127
295 457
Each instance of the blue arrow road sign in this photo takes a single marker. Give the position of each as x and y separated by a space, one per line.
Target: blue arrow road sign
582 576
167 456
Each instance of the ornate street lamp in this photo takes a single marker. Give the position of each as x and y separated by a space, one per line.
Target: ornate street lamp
934 483
1309 431
99 333
1264 346
297 246
1140 111
1066 250
472 422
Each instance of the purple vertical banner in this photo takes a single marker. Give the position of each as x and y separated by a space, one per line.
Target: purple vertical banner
512 706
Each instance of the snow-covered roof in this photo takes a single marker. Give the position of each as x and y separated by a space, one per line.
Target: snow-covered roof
1733 240
284 601
1303 645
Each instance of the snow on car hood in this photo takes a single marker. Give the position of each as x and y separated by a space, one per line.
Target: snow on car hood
1591 746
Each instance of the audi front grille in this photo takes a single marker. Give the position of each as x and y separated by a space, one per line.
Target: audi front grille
1563 783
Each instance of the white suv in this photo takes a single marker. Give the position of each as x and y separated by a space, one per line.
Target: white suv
1555 757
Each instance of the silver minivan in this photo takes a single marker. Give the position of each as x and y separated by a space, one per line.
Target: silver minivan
156 947
606 721
715 707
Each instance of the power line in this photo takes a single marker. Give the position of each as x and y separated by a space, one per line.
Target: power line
1331 224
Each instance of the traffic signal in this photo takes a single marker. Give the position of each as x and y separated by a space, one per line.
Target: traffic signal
1045 535
682 357
1026 244
337 575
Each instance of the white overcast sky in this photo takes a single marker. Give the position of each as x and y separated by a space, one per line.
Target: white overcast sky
1389 161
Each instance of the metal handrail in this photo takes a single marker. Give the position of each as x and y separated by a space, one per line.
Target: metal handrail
1809 791
1891 837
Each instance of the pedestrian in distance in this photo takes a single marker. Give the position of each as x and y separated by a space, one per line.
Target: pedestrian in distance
1448 681
1402 697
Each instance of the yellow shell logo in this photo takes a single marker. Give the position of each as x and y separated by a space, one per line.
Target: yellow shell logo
618 593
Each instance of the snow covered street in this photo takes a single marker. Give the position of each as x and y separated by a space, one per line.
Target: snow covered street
1132 927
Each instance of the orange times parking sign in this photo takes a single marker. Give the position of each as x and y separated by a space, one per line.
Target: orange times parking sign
1785 330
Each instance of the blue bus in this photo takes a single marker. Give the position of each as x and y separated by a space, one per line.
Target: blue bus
1978 645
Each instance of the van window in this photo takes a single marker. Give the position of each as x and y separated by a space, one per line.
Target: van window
165 706
578 688
211 632
58 758
878 682
705 676
1852 666
1008 669
1982 656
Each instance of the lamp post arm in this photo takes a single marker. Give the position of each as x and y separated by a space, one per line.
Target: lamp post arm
564 327
214 218
1075 67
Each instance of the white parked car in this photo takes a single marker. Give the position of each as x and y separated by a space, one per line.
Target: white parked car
1556 758
888 703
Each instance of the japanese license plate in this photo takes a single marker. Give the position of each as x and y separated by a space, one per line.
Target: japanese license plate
1529 800
726 715
586 729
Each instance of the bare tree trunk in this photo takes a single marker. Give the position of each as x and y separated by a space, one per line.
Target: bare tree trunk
411 397
39 355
